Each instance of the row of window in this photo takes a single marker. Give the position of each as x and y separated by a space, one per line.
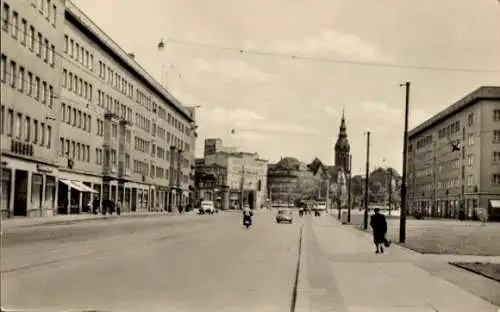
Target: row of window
114 106
18 77
78 53
142 145
141 167
452 128
76 118
47 8
109 75
27 34
424 142
77 85
74 150
142 122
23 127
119 83
448 183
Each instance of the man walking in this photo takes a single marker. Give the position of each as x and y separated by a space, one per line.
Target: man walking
379 226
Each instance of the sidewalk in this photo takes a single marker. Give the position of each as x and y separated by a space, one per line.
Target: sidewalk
18 222
339 271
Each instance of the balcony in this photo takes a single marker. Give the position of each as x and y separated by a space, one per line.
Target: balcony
21 148
125 122
111 115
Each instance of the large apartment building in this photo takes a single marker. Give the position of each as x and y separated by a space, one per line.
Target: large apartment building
31 35
454 158
94 124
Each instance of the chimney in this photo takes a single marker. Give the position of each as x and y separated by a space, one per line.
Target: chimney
132 55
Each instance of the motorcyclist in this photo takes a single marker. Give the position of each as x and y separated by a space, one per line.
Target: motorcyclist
247 215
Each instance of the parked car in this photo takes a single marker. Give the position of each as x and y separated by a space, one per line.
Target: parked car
284 215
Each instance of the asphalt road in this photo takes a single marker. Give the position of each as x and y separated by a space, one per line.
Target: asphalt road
169 263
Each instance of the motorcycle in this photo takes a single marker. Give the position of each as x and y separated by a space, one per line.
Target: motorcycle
247 222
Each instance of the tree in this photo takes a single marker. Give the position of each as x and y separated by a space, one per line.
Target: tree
306 187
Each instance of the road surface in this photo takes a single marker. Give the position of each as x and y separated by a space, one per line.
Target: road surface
170 263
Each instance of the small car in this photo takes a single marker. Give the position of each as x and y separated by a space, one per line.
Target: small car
207 206
284 215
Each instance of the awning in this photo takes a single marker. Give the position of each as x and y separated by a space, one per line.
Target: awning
77 186
71 185
495 203
83 187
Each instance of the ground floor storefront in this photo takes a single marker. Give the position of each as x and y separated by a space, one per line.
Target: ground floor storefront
452 207
28 189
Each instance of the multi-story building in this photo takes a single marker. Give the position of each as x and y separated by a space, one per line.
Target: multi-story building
454 158
210 182
283 178
31 37
104 127
246 180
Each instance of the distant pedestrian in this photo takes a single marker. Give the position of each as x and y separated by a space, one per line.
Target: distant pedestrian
482 215
118 207
379 226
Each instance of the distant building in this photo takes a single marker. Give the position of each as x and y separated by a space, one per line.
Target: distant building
246 175
285 176
454 158
210 181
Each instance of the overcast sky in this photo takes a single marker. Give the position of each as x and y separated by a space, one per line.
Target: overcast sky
304 98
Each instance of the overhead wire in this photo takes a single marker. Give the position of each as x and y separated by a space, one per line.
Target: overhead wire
256 52
244 51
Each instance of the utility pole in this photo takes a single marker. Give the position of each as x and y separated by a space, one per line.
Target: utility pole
242 188
349 190
402 219
462 177
390 190
365 219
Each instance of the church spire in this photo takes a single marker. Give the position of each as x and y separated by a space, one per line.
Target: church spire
343 127
342 147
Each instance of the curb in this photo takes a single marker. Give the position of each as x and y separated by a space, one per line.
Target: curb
369 233
300 300
90 218
459 265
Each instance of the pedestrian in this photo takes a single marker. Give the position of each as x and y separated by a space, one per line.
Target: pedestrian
379 226
118 207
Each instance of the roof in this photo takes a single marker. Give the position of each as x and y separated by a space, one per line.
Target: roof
482 93
78 18
291 163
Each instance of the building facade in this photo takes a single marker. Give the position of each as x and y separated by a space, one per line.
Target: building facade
102 128
283 180
31 35
210 182
246 180
454 158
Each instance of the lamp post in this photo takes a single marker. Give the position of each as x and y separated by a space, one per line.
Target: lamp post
365 218
402 220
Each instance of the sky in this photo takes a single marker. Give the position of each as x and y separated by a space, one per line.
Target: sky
281 106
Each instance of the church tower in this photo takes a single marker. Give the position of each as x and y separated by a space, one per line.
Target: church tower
342 148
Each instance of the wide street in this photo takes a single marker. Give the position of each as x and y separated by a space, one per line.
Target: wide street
164 263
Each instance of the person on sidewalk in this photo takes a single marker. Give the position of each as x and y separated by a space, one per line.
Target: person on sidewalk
118 207
379 226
